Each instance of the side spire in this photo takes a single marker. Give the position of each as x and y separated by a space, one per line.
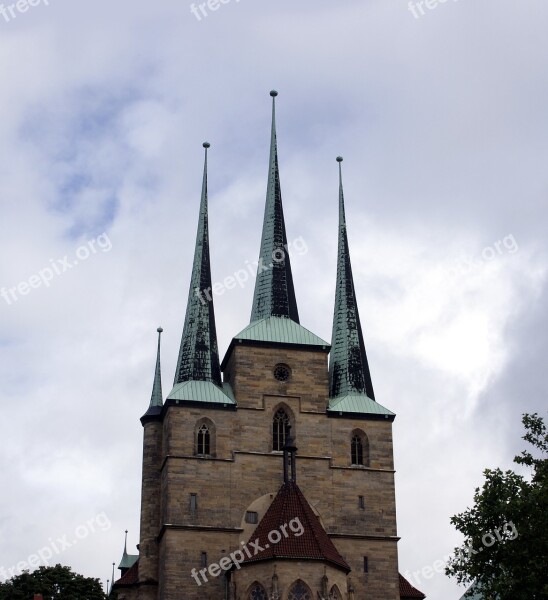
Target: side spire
128 560
274 292
156 398
348 366
198 355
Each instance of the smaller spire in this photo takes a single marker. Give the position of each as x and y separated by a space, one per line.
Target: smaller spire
157 399
128 560
112 580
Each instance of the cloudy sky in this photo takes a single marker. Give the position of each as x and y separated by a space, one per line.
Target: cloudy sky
442 120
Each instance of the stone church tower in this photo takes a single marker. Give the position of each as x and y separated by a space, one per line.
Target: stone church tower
269 475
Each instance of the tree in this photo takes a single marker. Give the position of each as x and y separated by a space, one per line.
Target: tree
54 583
505 551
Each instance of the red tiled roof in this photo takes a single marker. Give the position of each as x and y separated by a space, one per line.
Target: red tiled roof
130 577
408 591
313 544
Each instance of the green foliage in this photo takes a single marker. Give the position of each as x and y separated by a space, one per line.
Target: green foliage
54 583
505 548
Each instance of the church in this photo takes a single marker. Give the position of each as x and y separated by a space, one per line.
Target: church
269 474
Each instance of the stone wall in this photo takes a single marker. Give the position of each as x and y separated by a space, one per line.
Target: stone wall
245 474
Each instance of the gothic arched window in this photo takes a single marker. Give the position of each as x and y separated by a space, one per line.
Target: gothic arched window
334 594
257 592
280 429
203 444
359 449
299 591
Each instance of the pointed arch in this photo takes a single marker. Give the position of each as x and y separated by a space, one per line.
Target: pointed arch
282 420
335 594
257 592
359 448
299 591
205 437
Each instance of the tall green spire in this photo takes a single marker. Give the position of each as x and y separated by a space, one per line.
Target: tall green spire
198 354
274 292
348 367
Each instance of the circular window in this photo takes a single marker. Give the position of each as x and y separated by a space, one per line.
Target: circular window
282 372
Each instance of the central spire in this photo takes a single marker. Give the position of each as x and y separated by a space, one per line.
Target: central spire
274 292
198 354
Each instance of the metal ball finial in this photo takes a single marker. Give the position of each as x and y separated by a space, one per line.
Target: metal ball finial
206 144
339 159
273 93
159 330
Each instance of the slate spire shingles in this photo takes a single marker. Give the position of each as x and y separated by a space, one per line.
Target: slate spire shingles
198 355
274 292
348 365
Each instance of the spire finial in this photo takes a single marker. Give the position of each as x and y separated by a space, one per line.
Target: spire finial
274 294
125 543
348 365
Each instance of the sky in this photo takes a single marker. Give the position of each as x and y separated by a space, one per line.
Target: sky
440 114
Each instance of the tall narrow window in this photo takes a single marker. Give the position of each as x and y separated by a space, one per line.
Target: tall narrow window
204 440
365 565
203 559
280 429
357 450
193 502
361 502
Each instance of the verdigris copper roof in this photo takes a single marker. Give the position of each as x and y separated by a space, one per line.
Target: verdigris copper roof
128 560
274 292
198 355
312 542
156 398
350 385
358 404
202 391
280 330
